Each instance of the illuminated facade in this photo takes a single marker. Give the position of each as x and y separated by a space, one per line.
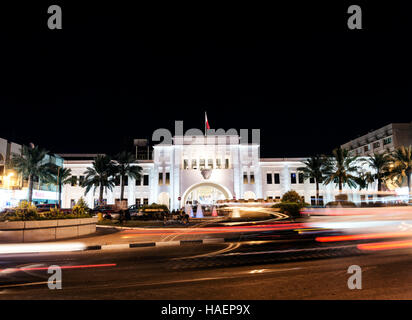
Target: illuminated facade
13 188
198 169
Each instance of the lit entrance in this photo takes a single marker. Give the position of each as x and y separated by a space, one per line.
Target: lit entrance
205 194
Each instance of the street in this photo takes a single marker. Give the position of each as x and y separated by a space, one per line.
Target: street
155 273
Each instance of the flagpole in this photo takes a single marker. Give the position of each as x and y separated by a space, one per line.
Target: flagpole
205 123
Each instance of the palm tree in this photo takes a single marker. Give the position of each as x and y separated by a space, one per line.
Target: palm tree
380 164
61 176
340 169
124 167
99 175
401 166
30 164
314 170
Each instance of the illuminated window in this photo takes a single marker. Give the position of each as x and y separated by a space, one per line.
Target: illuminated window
226 163
202 164
218 164
293 178
245 180
167 178
160 178
252 178
210 163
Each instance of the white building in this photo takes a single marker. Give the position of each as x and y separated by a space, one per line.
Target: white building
14 189
207 169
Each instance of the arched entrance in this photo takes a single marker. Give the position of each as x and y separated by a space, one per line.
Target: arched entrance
206 193
249 195
164 198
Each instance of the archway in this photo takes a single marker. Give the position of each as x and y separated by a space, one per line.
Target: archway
164 198
249 195
206 193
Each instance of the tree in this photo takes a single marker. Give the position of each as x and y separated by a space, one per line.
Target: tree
380 164
401 166
124 167
100 175
60 177
30 164
341 169
313 169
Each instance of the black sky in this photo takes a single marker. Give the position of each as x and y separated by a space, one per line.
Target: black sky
117 72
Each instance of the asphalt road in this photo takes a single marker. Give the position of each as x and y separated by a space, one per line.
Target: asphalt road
158 273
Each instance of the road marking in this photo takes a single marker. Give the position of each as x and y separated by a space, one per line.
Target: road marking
167 243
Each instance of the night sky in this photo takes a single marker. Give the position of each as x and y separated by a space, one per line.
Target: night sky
118 72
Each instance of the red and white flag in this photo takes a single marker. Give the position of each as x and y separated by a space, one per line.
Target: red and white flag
206 122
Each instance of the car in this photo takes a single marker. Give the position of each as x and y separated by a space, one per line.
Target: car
134 210
109 211
46 207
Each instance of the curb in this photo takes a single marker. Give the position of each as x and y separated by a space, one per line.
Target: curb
155 244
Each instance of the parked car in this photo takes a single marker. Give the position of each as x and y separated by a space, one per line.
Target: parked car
134 210
109 211
46 207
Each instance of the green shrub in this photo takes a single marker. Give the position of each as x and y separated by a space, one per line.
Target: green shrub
81 208
341 197
160 207
292 197
290 208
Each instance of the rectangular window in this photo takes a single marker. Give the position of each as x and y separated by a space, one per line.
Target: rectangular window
367 148
126 181
293 178
81 180
145 201
277 198
321 200
312 180
210 163
226 163
72 203
167 178
117 181
245 180
218 164
252 177
268 178
138 181
194 164
376 145
138 202
202 164
185 164
146 180
277 178
74 181
300 176
312 200
387 140
160 178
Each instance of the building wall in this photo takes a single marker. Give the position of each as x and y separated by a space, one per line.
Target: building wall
245 177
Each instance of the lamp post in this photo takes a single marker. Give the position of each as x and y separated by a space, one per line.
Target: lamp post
58 186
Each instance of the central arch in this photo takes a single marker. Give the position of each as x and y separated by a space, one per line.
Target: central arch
226 193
